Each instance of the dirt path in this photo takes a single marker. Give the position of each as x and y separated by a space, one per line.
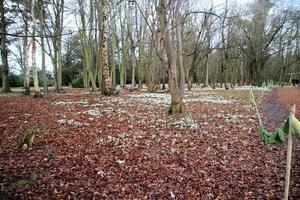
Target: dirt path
275 108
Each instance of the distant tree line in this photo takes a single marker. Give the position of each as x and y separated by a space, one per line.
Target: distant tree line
151 42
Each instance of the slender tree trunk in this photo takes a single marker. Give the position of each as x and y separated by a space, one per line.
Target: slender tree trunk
106 80
42 32
26 68
124 52
233 75
206 71
85 73
113 49
141 63
59 65
164 79
99 47
59 46
191 69
242 78
178 23
119 51
224 49
208 43
58 7
87 44
5 69
91 49
190 79
176 99
113 61
132 45
91 73
25 53
37 92
123 64
55 65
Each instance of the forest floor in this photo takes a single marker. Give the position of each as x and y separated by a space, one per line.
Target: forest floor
90 146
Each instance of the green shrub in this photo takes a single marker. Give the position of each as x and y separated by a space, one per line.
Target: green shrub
15 80
52 156
77 82
50 79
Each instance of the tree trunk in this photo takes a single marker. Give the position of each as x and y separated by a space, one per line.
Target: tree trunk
5 69
87 44
59 65
206 71
124 52
57 22
164 79
106 80
113 61
92 67
242 72
37 92
190 79
141 63
98 58
176 99
123 63
132 45
85 74
54 62
59 45
42 33
26 58
224 65
178 23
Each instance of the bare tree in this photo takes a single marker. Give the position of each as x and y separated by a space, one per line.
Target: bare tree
55 30
170 58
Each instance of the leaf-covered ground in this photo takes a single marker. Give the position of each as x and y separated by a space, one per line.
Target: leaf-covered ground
126 147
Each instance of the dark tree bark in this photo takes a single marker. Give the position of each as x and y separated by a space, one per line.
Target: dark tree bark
5 69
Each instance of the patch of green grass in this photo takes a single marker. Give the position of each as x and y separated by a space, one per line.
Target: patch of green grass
52 156
20 183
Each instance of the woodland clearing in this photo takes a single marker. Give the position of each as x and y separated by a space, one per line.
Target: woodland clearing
127 146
